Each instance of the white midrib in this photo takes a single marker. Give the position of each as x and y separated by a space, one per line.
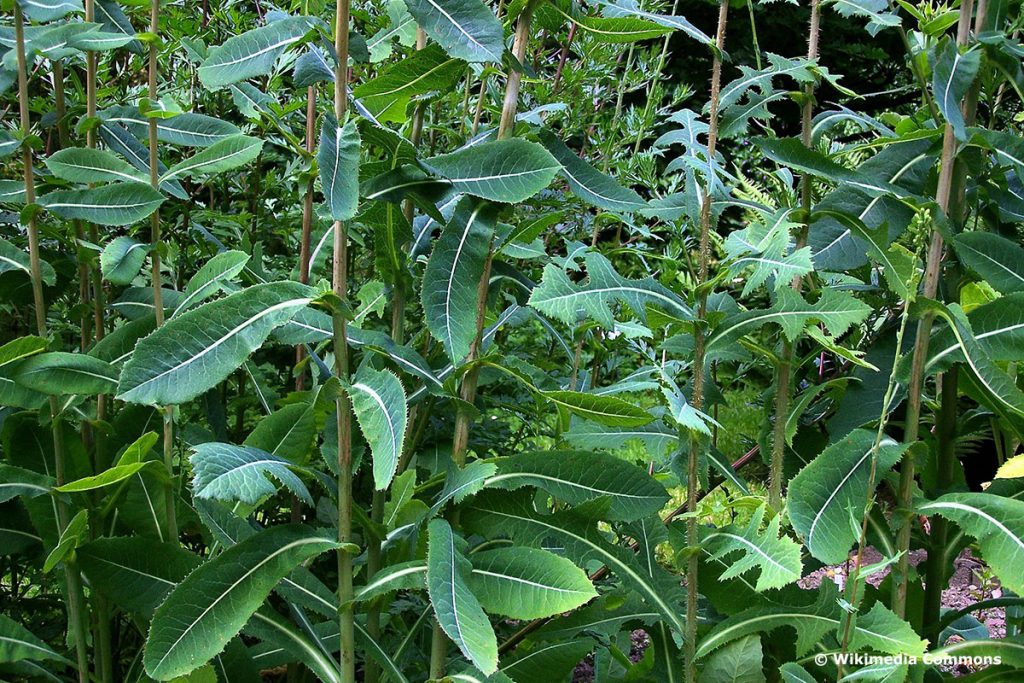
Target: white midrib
530 475
1002 266
459 27
395 447
253 55
604 290
613 200
223 339
418 569
527 582
113 172
977 511
451 276
752 546
185 169
227 591
984 335
835 492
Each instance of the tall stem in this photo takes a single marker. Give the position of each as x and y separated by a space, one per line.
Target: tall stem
924 328
155 237
78 617
945 428
649 104
783 379
307 220
339 277
697 396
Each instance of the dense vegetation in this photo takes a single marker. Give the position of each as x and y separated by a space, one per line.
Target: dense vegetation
425 339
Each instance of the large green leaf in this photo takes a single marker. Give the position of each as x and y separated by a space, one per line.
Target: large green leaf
833 489
13 258
617 29
135 572
116 204
792 152
777 558
607 410
737 662
121 260
18 481
508 171
388 95
224 471
211 278
379 402
49 10
576 477
451 281
221 156
253 53
83 165
589 184
187 130
998 260
57 373
198 349
214 602
998 524
338 160
17 643
998 329
528 583
560 297
456 607
952 74
512 514
466 29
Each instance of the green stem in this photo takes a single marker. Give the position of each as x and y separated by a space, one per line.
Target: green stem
753 32
936 575
697 396
915 386
78 617
649 104
339 273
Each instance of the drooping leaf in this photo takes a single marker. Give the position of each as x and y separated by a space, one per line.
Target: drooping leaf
451 281
17 644
508 171
121 260
221 156
997 522
83 165
589 184
528 583
115 204
952 74
458 612
559 297
252 53
210 606
196 350
227 472
13 258
466 29
576 477
338 160
998 260
834 486
410 575
378 400
58 373
388 95
18 481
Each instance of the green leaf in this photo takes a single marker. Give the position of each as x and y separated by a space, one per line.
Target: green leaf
194 351
576 477
607 410
589 184
777 557
49 10
227 472
401 576
252 53
221 156
121 260
121 141
882 631
116 204
513 515
402 26
953 73
186 130
793 153
58 373
998 329
466 29
832 489
656 437
8 144
212 278
13 258
73 535
114 475
836 310
766 250
528 583
17 481
20 349
877 12
996 259
508 171
559 297
211 605
997 522
378 400
83 165
673 21
428 70
12 192
737 662
451 281
616 30
18 644
456 607
338 161
135 572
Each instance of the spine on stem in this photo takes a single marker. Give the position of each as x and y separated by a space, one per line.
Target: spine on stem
704 258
